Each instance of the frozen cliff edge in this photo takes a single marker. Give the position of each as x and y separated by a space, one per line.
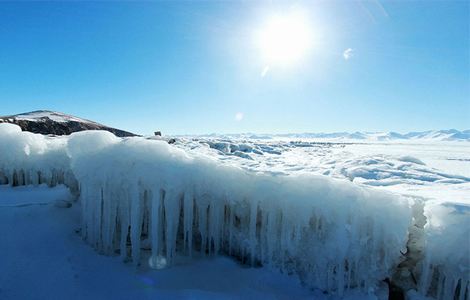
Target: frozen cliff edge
140 194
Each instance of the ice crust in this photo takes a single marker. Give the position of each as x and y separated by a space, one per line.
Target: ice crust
332 233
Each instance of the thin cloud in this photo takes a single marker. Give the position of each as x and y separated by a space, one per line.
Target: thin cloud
348 53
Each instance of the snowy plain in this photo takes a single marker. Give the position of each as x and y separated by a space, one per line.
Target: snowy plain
410 167
396 207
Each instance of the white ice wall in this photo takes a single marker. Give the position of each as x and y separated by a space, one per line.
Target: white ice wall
333 234
27 158
445 270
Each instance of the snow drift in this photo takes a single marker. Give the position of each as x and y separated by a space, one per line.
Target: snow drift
150 201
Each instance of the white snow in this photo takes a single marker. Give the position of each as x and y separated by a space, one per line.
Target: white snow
335 214
37 116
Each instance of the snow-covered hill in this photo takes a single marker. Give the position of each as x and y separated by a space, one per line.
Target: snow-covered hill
56 123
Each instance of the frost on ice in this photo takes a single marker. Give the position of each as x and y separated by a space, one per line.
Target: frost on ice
140 194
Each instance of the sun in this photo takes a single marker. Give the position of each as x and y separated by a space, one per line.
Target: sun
284 39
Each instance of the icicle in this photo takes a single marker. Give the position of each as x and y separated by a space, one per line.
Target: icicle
349 283
426 277
83 216
263 239
172 207
463 288
252 233
202 222
106 220
231 230
154 223
215 225
136 223
440 284
188 221
340 278
124 218
94 215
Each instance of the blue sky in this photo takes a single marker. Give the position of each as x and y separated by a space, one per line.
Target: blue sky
191 67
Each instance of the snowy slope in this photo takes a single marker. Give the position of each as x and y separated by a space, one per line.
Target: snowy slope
55 123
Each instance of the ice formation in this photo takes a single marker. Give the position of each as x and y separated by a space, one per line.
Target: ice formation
137 193
27 158
445 270
332 234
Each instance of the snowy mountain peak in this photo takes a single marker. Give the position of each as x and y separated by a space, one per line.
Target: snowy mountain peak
52 115
57 123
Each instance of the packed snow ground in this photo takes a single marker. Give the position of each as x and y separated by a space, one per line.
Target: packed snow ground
341 216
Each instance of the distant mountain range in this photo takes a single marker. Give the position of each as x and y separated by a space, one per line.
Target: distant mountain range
431 135
441 135
56 123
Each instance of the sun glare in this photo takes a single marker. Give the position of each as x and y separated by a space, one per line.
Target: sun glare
284 39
